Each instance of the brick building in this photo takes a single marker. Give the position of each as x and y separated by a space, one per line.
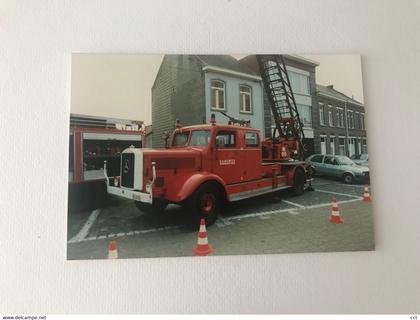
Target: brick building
341 124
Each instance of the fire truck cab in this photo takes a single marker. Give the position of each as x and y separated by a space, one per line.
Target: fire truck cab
205 166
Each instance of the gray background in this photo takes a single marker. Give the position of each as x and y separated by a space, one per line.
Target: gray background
37 39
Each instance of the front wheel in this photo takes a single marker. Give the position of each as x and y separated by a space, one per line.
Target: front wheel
157 207
348 178
204 203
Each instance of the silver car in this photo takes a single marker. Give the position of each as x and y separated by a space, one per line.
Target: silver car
339 167
361 159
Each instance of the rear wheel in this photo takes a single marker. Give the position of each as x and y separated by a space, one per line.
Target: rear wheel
204 203
298 182
157 207
348 178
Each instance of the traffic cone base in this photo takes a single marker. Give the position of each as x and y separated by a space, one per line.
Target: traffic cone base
202 248
336 219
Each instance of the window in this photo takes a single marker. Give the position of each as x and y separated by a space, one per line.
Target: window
330 116
200 138
321 114
364 145
305 114
332 145
362 121
350 119
217 95
357 120
251 139
316 159
181 139
340 117
226 139
330 160
341 146
245 94
299 82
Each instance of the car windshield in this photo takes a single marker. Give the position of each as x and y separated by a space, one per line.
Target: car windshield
345 161
199 138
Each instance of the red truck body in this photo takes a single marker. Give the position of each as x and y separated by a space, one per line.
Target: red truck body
205 166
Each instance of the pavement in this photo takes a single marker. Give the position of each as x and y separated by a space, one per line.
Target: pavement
268 224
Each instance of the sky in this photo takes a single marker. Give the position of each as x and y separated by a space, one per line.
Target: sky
119 85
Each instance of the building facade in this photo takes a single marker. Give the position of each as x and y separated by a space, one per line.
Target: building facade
342 128
192 87
301 73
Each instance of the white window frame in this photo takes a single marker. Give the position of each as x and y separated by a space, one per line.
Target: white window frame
330 116
242 98
362 121
333 141
357 116
344 145
321 114
215 90
340 117
323 136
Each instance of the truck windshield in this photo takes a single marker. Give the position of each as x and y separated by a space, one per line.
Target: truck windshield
199 138
180 139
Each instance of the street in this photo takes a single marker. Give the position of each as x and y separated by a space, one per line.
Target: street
264 225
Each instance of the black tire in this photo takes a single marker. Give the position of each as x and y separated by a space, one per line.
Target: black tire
205 203
157 207
348 178
298 182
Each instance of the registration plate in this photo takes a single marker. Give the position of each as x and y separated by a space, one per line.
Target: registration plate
136 197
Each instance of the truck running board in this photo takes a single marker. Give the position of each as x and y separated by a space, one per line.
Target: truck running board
257 192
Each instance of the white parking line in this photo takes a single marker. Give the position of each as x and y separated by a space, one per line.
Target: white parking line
86 227
293 204
337 193
221 222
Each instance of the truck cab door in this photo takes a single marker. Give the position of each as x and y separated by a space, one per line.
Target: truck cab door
226 163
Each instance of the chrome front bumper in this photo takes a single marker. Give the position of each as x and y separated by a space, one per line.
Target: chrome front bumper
131 194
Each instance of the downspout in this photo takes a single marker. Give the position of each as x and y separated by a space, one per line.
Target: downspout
347 128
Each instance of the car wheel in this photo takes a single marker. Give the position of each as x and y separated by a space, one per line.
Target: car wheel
298 182
157 207
203 203
348 178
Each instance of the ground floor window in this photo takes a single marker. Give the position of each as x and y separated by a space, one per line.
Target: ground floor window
364 145
323 145
341 146
332 145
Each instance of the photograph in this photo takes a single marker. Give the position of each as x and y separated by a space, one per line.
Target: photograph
177 155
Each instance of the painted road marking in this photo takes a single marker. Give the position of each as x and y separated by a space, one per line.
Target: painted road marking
293 204
337 193
86 227
221 222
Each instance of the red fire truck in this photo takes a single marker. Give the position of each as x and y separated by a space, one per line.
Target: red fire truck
91 141
204 166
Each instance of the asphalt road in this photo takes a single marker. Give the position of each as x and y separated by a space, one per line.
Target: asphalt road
263 225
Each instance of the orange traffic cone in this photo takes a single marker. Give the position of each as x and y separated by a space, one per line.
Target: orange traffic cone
112 250
202 248
335 213
366 195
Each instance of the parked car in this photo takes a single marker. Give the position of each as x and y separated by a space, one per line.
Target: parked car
339 167
361 159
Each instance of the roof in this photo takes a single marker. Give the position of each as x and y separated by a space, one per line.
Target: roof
300 59
225 62
330 92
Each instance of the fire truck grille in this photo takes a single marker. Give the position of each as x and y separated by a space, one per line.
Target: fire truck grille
127 170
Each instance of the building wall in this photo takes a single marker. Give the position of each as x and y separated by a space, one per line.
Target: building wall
334 130
178 92
232 99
